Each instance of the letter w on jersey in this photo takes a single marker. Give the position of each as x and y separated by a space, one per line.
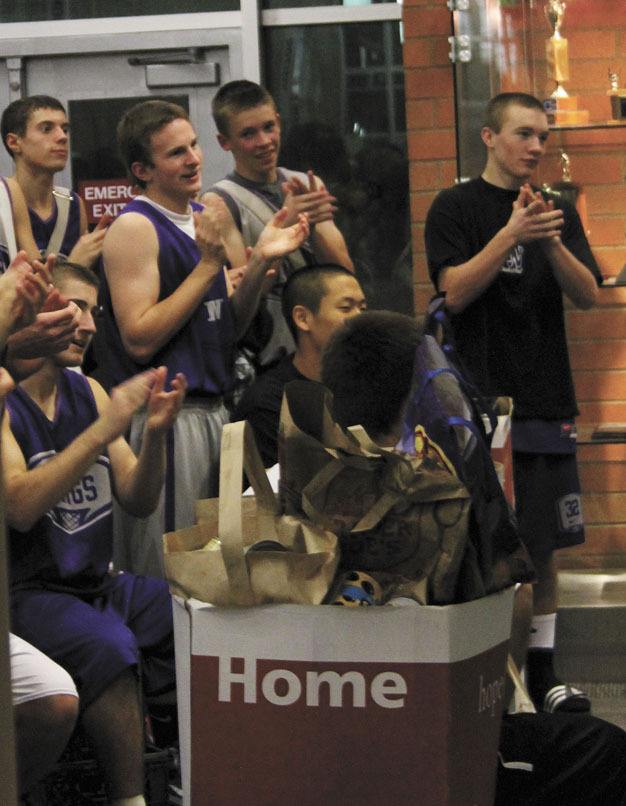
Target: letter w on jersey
214 309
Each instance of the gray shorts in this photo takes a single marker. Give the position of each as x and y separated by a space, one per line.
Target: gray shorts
193 453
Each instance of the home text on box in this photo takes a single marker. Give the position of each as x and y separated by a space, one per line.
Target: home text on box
281 686
104 197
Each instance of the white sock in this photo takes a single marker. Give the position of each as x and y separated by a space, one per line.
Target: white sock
542 631
136 800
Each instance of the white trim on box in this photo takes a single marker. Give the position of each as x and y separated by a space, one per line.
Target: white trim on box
409 634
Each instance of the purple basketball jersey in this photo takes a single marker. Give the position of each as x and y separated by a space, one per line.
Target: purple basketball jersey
73 539
42 230
204 347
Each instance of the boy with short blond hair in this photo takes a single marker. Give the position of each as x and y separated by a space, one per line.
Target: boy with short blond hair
249 127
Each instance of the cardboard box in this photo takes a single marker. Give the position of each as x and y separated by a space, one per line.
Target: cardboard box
286 704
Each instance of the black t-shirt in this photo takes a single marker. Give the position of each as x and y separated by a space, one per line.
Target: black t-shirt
260 406
511 339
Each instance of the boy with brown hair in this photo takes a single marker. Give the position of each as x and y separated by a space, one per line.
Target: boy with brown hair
504 256
63 456
249 127
35 132
167 299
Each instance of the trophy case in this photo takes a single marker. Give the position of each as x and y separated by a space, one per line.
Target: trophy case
572 55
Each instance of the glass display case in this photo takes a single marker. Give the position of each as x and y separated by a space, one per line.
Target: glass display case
572 55
567 52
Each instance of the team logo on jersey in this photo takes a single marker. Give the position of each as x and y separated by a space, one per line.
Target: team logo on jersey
514 264
70 520
214 309
87 502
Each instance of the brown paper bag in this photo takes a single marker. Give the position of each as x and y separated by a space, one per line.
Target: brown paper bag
393 513
216 561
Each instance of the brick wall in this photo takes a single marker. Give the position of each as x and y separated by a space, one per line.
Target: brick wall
430 120
596 31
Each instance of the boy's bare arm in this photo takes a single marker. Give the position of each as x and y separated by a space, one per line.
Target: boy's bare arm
530 221
21 220
31 493
275 242
138 480
328 243
232 240
88 248
146 323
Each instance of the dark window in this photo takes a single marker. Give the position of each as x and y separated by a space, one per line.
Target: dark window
340 92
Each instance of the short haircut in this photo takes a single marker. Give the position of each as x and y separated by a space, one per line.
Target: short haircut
136 127
17 114
368 366
497 106
307 287
234 97
65 269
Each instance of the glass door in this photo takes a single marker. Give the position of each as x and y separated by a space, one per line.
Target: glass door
105 74
97 90
491 52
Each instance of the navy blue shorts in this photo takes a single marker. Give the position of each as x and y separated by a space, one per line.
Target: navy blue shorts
97 637
548 501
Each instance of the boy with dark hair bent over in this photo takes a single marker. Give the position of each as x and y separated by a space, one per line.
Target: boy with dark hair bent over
544 759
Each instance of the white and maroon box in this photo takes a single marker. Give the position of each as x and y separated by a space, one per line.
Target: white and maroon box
293 704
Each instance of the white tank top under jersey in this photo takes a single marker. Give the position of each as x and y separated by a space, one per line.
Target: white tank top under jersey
183 221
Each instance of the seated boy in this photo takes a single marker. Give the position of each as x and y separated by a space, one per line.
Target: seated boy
45 702
63 456
315 302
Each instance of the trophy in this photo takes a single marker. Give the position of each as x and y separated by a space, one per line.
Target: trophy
571 191
561 108
618 97
556 47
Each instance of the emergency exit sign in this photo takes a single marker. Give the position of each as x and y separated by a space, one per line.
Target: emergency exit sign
105 197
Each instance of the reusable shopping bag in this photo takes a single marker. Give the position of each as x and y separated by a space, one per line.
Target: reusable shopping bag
243 551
